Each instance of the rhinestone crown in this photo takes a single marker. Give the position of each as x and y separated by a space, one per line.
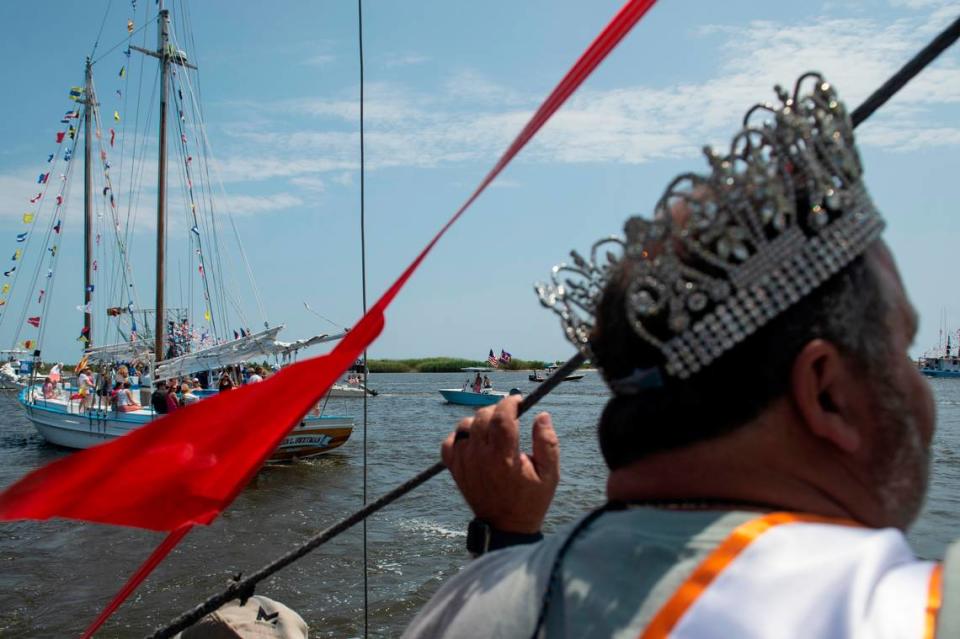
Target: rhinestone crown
728 251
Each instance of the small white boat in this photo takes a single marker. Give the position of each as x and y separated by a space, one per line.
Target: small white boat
352 388
537 376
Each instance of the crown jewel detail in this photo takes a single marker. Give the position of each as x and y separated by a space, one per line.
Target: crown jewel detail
728 251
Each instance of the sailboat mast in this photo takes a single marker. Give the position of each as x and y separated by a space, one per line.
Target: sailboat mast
163 22
88 204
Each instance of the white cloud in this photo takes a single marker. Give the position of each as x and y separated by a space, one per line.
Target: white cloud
343 179
251 204
473 118
404 59
309 183
319 60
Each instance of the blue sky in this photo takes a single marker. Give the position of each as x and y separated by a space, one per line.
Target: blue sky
448 85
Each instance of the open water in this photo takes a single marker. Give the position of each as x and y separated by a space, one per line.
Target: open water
56 576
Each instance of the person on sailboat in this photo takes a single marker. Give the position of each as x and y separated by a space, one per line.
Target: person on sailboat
767 439
186 395
171 398
256 376
125 400
85 388
49 389
225 384
159 398
486 382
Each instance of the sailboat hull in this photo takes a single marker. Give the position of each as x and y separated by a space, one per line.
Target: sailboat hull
60 422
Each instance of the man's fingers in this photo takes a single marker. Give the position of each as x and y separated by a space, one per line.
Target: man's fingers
480 424
504 427
446 450
546 449
460 432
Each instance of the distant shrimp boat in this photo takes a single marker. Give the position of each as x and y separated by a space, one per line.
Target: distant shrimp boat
940 366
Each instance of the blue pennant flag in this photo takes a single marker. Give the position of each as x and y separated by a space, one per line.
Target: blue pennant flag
90 288
22 237
196 230
50 158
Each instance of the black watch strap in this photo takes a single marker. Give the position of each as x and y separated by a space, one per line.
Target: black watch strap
483 538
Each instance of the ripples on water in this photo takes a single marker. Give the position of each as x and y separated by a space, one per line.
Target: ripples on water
56 576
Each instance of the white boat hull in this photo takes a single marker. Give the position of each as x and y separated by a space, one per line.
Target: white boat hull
348 391
61 422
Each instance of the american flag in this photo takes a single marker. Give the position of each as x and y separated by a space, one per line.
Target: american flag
492 359
505 357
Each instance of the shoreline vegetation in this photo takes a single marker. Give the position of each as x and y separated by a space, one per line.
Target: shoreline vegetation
448 365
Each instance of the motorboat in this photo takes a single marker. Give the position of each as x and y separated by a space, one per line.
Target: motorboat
538 376
469 397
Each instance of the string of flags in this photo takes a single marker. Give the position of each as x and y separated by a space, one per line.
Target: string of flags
76 94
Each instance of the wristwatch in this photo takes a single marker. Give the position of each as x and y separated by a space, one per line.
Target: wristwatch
482 538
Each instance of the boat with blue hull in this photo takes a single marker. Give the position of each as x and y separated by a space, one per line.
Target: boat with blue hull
486 397
940 366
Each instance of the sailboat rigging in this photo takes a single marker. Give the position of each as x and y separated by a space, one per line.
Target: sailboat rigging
163 343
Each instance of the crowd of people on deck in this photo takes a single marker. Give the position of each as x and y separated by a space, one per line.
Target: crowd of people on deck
122 388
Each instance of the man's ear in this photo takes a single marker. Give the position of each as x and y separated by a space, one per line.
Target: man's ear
826 394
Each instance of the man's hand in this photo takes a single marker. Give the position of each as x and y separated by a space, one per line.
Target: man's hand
508 489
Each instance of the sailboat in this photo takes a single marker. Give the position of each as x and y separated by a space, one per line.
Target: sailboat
158 344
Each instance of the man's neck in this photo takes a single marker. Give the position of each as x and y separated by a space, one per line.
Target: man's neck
753 467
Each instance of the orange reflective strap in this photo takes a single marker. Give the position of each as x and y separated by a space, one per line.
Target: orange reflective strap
685 596
934 600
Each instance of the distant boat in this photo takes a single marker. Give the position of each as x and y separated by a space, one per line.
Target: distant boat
537 376
940 366
16 369
478 369
353 387
485 397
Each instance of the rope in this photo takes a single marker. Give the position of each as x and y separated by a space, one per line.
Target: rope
125 40
103 23
244 588
363 278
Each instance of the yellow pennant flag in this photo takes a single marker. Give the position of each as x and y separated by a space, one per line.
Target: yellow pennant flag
206 315
17 255
116 116
129 26
5 289
27 218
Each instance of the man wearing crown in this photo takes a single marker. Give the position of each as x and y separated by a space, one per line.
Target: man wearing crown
767 437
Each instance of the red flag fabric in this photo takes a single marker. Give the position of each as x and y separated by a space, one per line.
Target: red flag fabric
186 467
34 321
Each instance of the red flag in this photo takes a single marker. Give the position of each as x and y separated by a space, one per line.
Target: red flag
34 321
60 135
170 474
